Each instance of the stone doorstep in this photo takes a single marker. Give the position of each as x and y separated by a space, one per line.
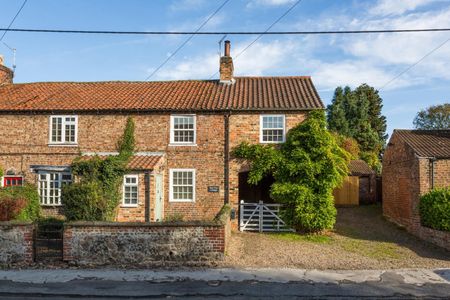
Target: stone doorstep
416 277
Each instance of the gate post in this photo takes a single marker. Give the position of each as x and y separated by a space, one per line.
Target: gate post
241 215
261 215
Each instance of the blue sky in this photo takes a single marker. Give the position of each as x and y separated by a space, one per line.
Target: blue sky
331 60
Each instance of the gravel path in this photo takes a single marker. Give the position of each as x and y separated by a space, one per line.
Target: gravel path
362 239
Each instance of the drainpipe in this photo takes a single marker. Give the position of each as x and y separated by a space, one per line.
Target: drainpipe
226 165
147 196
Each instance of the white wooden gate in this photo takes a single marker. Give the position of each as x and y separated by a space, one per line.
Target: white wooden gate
260 217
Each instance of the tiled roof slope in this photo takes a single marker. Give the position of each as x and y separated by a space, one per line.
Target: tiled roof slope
137 162
427 143
359 167
247 93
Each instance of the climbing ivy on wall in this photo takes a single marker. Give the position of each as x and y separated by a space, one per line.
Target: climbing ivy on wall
95 194
306 169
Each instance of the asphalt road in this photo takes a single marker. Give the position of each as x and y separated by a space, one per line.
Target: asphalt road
231 284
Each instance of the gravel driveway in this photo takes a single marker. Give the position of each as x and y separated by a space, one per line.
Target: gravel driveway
362 239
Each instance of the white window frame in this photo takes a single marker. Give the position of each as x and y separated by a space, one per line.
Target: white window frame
171 171
172 130
261 140
63 130
131 185
47 181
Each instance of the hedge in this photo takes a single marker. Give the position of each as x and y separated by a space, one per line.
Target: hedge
434 209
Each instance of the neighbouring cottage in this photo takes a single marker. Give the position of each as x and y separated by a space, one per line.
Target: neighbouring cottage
185 132
415 161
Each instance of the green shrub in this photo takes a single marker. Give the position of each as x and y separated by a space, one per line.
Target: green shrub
306 169
84 201
435 209
19 203
175 217
96 193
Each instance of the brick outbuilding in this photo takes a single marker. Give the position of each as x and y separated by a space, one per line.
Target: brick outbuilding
415 161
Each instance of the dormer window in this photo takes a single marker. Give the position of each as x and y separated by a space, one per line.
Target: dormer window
63 130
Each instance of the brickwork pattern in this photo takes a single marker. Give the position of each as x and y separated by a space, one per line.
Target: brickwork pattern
405 177
25 143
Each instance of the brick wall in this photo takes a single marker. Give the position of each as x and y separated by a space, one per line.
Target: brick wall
405 177
143 244
16 243
400 180
25 142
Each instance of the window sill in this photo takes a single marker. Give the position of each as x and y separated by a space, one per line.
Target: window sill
185 145
62 145
181 201
129 206
261 142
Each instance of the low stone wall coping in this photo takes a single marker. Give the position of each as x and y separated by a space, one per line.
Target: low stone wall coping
142 224
16 223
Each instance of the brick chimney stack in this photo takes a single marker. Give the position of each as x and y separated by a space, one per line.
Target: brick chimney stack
6 74
226 66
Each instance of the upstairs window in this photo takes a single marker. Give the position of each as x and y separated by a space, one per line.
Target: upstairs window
130 190
63 129
272 129
49 186
182 129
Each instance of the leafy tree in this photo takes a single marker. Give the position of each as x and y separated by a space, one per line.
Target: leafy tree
433 117
306 169
348 144
357 114
96 194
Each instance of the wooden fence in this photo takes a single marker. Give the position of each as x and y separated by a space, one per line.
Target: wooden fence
348 194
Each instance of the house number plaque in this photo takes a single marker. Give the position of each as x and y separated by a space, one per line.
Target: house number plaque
213 189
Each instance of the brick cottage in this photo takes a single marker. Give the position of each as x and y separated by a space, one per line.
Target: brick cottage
185 132
415 162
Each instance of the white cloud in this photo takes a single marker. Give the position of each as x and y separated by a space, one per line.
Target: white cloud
340 60
397 7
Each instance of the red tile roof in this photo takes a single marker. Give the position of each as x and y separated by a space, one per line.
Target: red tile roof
247 93
359 167
137 162
427 143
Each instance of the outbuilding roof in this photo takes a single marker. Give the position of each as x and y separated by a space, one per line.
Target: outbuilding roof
247 93
359 167
427 143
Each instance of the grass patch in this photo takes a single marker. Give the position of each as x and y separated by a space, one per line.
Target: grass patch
295 237
377 250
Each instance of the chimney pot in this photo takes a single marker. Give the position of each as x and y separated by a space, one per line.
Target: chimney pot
227 48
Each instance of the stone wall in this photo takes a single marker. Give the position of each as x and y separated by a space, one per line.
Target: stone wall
16 243
143 244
